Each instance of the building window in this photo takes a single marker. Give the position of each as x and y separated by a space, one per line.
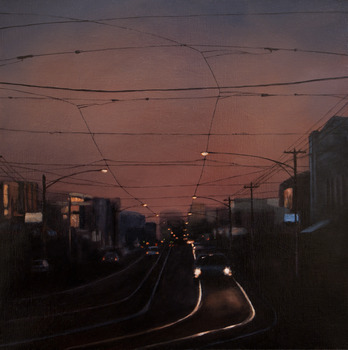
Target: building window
288 197
5 199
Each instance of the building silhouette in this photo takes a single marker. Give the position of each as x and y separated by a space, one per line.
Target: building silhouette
18 198
329 170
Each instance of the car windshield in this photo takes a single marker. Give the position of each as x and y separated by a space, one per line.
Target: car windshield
212 260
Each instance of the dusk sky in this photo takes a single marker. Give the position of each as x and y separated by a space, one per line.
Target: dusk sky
142 87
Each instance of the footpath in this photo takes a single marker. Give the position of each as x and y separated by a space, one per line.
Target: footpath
311 301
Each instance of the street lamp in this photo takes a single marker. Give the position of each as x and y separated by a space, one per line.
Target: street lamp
285 167
45 186
104 171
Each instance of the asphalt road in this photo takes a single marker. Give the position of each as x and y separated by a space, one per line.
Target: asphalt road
152 303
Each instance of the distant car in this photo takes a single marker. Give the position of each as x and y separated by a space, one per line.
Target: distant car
40 266
111 258
152 250
201 250
212 265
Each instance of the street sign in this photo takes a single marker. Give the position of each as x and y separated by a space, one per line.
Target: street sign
33 217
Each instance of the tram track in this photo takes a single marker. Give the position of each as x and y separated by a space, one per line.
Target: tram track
39 328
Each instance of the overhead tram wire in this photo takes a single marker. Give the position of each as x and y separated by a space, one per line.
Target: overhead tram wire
224 49
10 168
170 40
273 170
97 146
183 89
297 143
209 15
227 15
141 99
326 115
7 173
21 58
305 142
166 38
268 50
109 101
102 22
54 98
211 122
110 161
208 183
66 132
106 162
224 165
330 12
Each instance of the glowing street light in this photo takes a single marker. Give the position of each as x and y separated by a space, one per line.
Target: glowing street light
104 171
285 167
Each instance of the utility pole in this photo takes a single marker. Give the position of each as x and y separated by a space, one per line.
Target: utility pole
69 228
251 187
230 219
295 152
44 216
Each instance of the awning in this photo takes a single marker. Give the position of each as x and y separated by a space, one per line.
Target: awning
316 226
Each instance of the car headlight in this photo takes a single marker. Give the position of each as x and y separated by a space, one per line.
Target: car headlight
227 271
197 272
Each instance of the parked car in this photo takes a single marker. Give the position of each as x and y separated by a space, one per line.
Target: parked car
111 258
212 265
153 250
40 266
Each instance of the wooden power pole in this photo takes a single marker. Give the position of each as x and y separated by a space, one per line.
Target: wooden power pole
295 152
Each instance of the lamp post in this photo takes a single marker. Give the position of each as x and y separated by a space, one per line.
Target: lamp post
285 167
45 186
